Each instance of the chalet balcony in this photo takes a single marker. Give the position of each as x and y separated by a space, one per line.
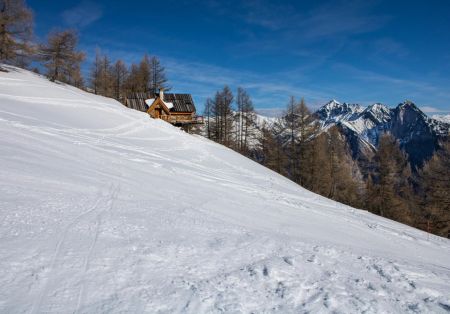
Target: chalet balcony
183 119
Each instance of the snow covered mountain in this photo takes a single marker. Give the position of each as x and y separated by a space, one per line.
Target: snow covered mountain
417 133
261 120
442 118
334 112
103 209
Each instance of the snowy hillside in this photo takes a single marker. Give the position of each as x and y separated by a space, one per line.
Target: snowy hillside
103 209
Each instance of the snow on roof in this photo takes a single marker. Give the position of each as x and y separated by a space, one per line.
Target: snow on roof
169 105
150 101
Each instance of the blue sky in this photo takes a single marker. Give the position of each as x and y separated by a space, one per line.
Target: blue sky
353 51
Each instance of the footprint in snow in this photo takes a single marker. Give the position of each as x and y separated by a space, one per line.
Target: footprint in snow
251 271
288 260
280 290
265 271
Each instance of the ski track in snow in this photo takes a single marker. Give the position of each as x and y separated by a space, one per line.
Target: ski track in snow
109 199
105 210
110 202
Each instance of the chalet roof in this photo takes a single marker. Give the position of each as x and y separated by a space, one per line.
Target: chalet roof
137 101
181 102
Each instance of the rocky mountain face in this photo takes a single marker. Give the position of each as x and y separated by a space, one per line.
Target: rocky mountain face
417 133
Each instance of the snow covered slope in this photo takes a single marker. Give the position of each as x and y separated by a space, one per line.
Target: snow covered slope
103 209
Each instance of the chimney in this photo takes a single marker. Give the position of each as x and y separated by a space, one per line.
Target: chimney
161 93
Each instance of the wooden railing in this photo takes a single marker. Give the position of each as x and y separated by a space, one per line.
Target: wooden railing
183 119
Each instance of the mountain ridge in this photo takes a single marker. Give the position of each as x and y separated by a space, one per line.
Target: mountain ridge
417 133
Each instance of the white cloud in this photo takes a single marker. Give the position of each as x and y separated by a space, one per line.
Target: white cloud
82 15
429 109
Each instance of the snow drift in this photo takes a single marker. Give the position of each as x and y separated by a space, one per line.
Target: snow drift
105 210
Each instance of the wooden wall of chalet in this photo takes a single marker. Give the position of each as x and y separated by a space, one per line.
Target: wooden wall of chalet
158 112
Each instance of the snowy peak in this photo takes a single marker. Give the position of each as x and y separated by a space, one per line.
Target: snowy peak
407 104
409 118
377 113
409 114
332 104
408 107
334 111
378 107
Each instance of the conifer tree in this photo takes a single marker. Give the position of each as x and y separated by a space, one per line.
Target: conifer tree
159 79
133 81
240 99
272 154
145 75
307 131
106 77
330 170
222 112
102 75
74 76
393 179
245 120
319 179
343 183
95 72
60 56
16 23
207 112
435 176
119 74
291 126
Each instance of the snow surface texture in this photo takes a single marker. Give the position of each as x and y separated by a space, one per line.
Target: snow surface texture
105 210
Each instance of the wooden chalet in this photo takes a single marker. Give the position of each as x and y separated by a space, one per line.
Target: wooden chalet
177 109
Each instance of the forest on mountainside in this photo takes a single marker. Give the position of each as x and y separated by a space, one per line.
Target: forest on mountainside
320 160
